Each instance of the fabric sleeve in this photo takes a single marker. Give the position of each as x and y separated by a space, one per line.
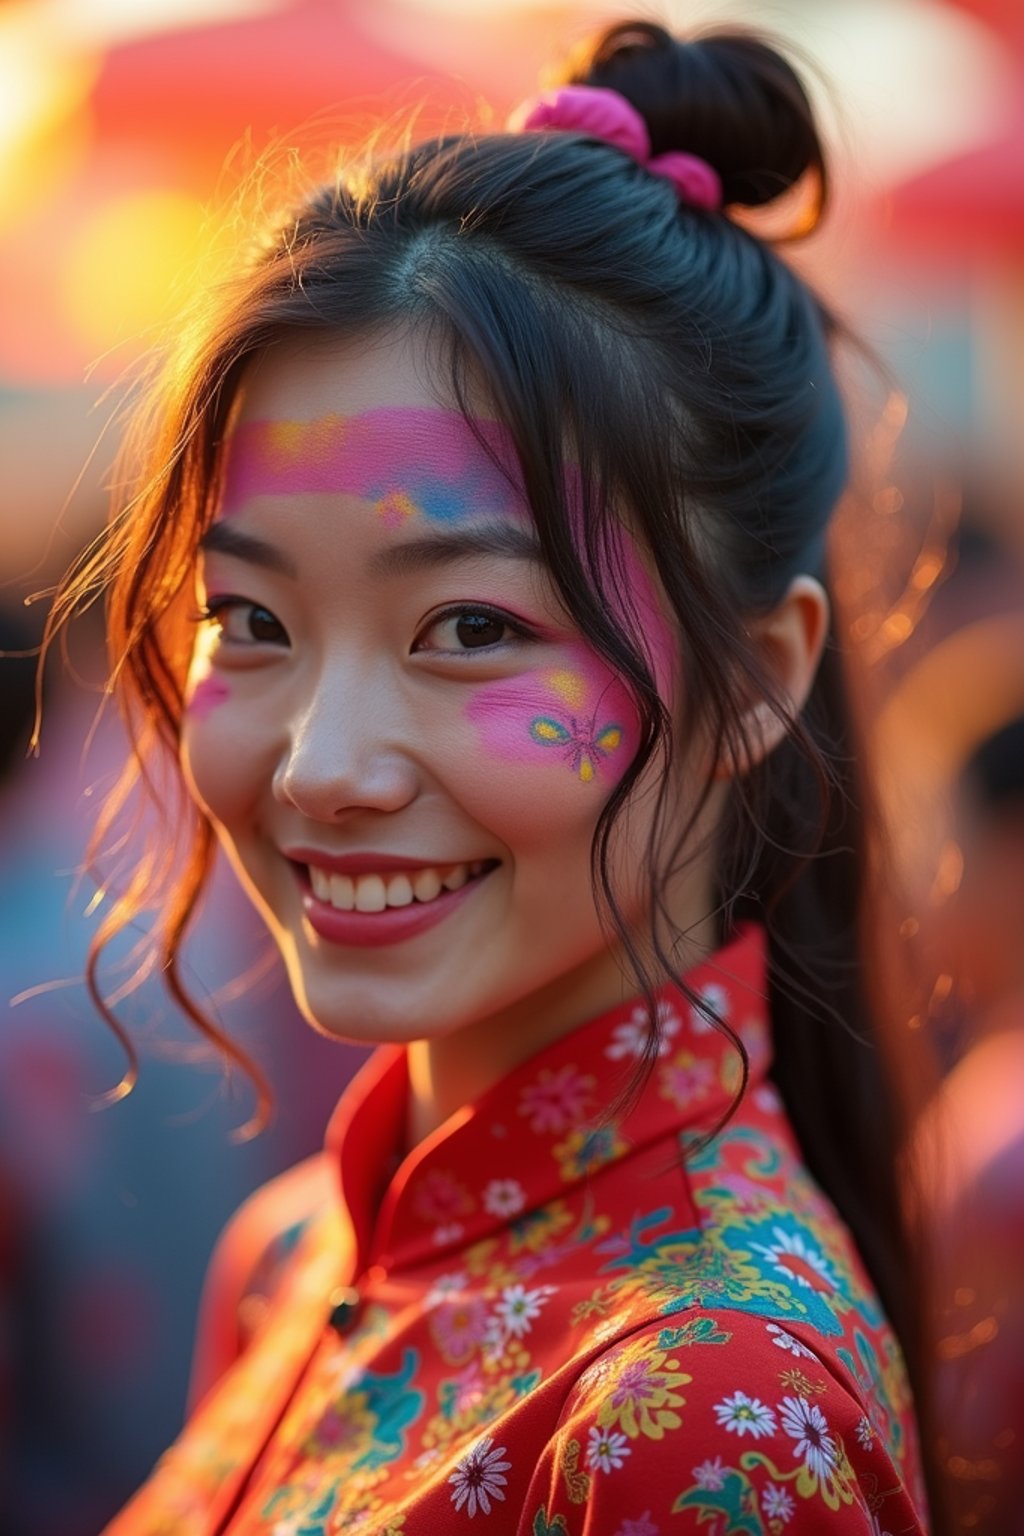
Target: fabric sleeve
246 1265
716 1423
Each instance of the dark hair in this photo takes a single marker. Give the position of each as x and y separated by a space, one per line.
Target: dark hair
687 368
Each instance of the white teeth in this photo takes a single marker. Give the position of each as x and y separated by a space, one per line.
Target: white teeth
373 893
399 891
426 884
370 894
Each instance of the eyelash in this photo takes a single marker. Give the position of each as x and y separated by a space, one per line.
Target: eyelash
519 631
212 611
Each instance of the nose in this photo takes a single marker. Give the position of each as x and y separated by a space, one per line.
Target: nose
346 751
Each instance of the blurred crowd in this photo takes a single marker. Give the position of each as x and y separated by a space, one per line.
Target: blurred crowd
109 207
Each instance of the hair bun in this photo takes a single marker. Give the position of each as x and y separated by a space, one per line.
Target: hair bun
729 97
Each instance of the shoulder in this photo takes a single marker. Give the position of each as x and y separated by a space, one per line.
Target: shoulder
717 1417
248 1261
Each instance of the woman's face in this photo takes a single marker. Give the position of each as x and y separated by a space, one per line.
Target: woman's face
403 742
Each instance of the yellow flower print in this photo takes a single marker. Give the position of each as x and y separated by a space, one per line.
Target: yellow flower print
640 1396
584 1150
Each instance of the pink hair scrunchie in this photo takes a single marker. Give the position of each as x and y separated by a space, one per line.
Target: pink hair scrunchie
601 113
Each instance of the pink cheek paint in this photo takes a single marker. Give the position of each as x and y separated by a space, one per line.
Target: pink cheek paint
208 694
577 717
407 462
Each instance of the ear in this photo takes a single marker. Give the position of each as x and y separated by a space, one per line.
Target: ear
789 641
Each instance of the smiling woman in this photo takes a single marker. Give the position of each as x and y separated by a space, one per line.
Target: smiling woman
476 593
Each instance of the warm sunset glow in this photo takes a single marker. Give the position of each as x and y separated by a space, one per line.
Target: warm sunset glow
130 266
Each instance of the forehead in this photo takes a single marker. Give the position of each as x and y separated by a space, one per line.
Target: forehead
362 420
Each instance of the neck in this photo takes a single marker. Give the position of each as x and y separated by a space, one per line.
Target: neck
458 1069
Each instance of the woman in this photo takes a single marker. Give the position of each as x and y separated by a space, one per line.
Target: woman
504 477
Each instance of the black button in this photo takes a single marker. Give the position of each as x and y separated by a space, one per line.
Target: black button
344 1308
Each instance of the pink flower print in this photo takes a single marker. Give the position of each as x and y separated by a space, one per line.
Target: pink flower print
458 1326
710 1474
504 1197
685 1079
468 1391
556 1100
479 1478
630 1039
747 1193
643 1525
440 1199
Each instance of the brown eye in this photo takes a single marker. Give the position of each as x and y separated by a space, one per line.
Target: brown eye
476 629
263 626
243 623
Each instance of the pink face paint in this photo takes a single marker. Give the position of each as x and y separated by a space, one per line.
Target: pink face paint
578 717
408 462
207 694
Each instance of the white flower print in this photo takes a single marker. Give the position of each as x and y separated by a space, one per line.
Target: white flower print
790 1246
864 1432
745 1415
710 1474
607 1449
492 1344
807 1425
479 1478
630 1038
777 1503
448 1234
716 999
504 1197
444 1288
767 1100
787 1342
519 1308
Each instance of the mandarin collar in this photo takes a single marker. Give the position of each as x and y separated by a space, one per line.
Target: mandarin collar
539 1132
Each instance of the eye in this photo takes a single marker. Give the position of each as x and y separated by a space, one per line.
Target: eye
241 622
470 628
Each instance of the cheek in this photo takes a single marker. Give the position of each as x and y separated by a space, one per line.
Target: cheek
208 694
221 756
571 727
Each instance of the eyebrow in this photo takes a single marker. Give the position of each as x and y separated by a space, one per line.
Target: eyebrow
437 549
227 540
429 551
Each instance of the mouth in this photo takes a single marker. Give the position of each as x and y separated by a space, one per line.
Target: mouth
384 906
391 889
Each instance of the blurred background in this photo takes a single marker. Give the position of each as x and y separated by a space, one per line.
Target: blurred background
125 128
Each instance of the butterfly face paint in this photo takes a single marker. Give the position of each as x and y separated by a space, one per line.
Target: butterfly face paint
576 717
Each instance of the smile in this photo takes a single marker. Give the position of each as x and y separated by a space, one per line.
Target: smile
368 908
373 892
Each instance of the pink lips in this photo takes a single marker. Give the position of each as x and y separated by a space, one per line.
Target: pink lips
371 930
364 863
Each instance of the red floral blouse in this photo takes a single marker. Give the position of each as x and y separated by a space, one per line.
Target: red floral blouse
549 1323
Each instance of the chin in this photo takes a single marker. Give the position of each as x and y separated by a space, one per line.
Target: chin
365 1011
